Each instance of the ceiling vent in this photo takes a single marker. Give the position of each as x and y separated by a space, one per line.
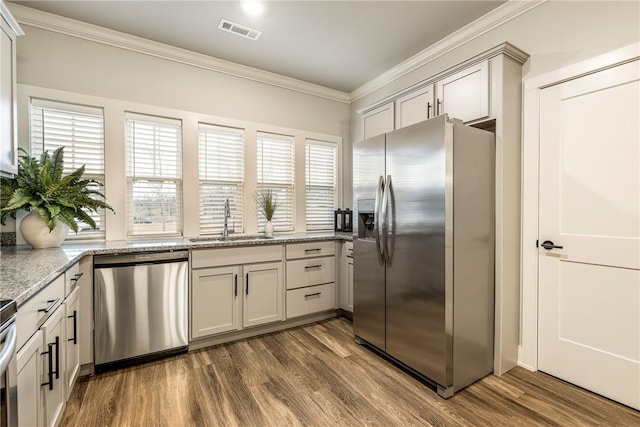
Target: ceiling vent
240 30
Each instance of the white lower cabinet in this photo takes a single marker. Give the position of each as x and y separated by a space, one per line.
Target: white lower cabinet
263 294
215 304
41 374
311 300
49 359
346 278
30 397
72 344
235 288
53 386
311 278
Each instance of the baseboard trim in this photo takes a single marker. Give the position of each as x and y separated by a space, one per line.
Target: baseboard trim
261 330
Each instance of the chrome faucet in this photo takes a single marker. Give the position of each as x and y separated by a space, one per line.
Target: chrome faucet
227 214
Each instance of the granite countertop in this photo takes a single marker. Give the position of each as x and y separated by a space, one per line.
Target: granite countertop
24 271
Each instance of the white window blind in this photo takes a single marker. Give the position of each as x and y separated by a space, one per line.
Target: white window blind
80 130
154 175
221 164
320 184
276 172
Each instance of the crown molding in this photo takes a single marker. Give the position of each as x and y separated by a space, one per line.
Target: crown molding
82 30
482 25
8 16
506 49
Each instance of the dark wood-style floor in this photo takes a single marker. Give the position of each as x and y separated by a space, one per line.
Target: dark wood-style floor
317 376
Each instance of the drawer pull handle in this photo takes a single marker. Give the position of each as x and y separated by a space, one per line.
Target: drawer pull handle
313 295
74 316
52 303
49 354
77 277
306 251
318 266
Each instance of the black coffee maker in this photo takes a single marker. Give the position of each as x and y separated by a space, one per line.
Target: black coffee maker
343 220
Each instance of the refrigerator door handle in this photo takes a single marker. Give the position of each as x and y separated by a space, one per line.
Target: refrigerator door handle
376 223
385 220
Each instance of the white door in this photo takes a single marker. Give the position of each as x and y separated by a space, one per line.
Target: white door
589 300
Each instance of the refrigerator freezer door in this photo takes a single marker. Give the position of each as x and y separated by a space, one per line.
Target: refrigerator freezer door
415 234
368 270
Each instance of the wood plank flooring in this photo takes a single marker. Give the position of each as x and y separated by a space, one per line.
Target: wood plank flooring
317 376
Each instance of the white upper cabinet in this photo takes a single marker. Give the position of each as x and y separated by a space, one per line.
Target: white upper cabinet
465 94
9 29
378 121
415 107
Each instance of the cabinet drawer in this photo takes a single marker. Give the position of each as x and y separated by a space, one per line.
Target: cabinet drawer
29 319
311 300
233 256
312 271
72 275
311 249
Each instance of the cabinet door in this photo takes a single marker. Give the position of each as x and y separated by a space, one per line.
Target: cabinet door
30 389
415 107
72 343
378 121
346 282
53 331
263 294
8 146
215 304
350 285
465 94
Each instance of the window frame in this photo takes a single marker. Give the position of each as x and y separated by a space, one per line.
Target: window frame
288 187
72 109
237 206
157 122
328 225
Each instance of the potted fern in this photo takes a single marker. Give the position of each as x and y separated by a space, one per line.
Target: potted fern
56 202
267 203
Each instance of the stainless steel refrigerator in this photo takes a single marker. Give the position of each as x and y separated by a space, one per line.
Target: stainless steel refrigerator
424 250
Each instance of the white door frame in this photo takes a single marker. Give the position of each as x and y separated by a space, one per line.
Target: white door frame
528 349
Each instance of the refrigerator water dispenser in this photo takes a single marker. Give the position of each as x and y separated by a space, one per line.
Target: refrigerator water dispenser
366 218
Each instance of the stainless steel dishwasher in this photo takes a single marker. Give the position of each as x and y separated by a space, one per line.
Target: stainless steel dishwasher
140 307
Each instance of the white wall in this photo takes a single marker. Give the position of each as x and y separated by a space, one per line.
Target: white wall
66 63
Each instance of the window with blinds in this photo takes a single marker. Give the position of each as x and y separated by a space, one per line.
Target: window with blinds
221 165
320 184
80 130
276 172
154 175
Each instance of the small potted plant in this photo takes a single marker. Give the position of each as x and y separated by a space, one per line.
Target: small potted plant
56 202
267 203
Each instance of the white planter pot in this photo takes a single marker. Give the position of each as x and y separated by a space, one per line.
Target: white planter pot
268 229
37 234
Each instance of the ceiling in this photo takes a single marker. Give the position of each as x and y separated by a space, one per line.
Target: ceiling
337 44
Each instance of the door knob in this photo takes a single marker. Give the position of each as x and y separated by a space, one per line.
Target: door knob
548 245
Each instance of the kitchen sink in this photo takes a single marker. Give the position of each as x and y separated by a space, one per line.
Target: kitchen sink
231 238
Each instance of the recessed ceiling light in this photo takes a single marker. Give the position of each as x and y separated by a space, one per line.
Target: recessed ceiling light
253 8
